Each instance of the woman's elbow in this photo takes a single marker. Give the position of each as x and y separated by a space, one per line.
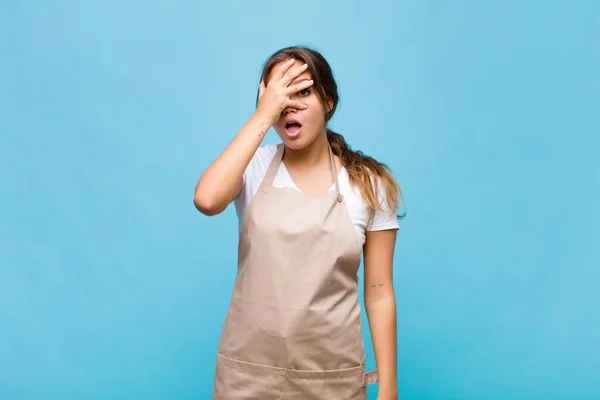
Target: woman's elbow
207 205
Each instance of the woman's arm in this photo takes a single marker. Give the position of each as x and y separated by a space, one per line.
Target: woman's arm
380 306
222 180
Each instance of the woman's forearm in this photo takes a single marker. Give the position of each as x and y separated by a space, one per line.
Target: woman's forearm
381 314
222 180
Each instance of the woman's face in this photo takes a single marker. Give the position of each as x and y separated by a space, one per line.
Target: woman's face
299 128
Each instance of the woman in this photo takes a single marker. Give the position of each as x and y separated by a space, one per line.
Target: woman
307 209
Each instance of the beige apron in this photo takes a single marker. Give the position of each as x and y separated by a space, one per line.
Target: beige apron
293 329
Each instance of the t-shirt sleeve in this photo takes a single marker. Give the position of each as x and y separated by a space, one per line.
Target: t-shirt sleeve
242 200
253 176
386 219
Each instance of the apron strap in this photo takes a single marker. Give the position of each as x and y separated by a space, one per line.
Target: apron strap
370 377
340 196
273 167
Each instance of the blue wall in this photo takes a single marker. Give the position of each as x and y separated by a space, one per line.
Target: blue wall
112 285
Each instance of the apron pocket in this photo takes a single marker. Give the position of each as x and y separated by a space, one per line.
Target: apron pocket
338 388
235 380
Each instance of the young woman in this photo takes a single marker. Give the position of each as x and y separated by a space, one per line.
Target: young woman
308 208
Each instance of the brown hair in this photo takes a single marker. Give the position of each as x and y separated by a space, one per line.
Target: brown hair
361 168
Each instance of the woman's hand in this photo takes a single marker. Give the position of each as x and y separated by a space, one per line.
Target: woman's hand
275 97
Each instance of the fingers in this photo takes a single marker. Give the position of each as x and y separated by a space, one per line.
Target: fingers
293 73
282 89
298 105
300 86
287 72
282 69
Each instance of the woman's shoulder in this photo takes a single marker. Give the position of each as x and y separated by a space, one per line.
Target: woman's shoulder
269 149
255 172
260 161
264 155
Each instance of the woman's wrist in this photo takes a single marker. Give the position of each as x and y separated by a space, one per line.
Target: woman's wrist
387 392
259 124
387 395
263 118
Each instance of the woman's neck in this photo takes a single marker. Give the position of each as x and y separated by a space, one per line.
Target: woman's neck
315 155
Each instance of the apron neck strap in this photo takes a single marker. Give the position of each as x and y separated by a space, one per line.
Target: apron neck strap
274 166
335 172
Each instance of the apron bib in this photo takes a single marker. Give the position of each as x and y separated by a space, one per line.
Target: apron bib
293 329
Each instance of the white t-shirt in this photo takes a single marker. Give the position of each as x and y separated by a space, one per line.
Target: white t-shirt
357 208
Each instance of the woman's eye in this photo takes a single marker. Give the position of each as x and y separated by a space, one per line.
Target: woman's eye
304 92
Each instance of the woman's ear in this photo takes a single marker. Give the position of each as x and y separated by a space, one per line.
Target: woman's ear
329 105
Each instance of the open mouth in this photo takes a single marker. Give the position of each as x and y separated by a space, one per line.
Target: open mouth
292 128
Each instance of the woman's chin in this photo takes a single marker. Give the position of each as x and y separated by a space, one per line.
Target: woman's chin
293 142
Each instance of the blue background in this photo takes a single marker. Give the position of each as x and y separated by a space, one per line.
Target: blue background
113 286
